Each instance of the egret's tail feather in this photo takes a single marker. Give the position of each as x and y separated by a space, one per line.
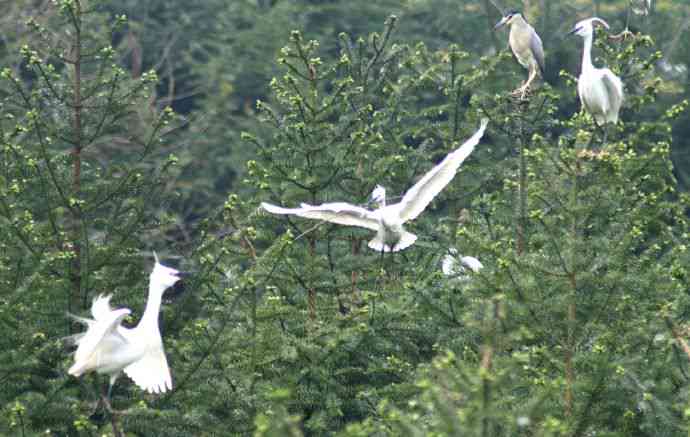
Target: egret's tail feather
82 320
378 245
77 369
75 339
406 241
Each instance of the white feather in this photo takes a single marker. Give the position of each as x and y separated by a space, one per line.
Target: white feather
151 372
101 338
600 90
417 198
337 212
107 347
455 265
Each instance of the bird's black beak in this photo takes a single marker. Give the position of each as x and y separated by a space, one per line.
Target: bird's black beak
501 23
574 29
183 275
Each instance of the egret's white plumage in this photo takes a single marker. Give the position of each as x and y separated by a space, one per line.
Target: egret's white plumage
455 265
388 220
600 90
107 347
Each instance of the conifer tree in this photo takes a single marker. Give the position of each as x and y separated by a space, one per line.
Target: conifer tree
574 325
338 323
83 184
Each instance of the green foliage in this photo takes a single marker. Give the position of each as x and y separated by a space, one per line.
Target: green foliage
579 236
82 180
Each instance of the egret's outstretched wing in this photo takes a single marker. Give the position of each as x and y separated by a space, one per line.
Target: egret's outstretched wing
423 192
337 212
614 89
151 373
105 325
100 307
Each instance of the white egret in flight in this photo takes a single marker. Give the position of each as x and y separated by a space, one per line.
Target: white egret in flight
388 220
107 347
600 90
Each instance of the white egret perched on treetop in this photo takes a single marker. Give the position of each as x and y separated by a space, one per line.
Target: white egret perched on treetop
388 220
107 347
600 90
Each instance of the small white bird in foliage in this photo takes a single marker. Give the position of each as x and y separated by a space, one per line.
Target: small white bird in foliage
455 265
600 90
107 347
388 220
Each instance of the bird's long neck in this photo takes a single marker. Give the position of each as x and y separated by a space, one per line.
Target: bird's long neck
587 54
153 306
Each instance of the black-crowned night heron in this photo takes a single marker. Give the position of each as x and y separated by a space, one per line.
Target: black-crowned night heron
525 45
600 90
388 220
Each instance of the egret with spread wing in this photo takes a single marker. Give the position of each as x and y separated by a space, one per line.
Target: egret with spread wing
107 347
388 220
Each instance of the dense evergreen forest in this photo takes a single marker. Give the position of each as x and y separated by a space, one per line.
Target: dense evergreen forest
132 127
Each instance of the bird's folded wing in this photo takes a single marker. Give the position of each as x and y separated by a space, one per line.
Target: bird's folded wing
338 212
614 88
151 373
97 330
423 192
538 50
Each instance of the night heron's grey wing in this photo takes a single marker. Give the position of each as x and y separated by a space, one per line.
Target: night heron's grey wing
538 51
